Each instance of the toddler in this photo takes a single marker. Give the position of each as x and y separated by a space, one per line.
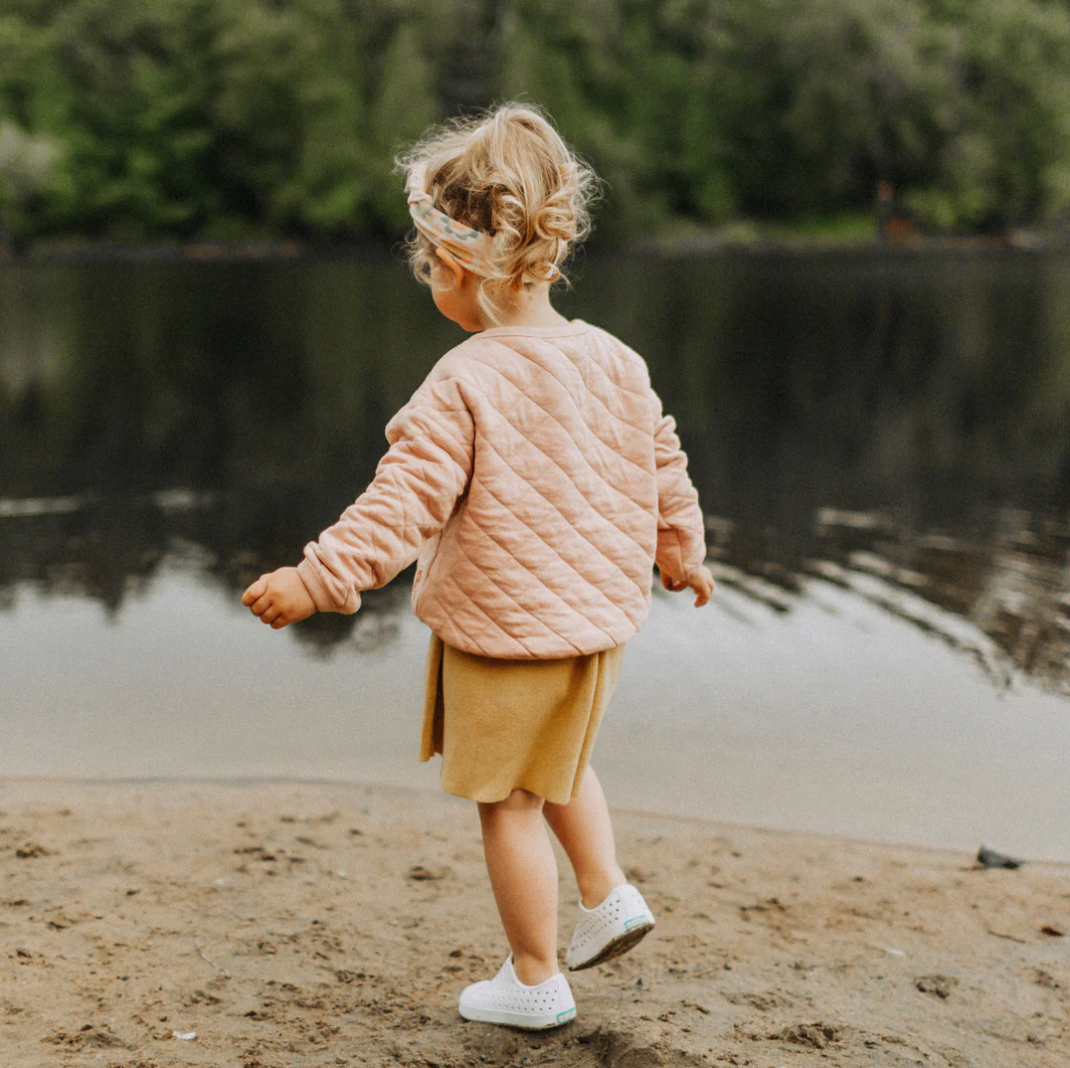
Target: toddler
535 480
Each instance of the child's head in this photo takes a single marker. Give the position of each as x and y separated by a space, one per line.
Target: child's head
508 174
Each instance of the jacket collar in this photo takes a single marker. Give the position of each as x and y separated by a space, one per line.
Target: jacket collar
576 326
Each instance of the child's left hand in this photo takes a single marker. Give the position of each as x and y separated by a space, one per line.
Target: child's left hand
279 598
702 582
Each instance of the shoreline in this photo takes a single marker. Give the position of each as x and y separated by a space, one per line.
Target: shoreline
60 251
322 923
433 793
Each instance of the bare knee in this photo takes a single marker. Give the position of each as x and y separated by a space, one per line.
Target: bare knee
585 784
518 801
551 807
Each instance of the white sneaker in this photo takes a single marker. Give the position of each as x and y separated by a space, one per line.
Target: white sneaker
506 1000
609 929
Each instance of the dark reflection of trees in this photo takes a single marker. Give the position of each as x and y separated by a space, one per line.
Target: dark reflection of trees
925 395
266 385
102 550
927 398
374 627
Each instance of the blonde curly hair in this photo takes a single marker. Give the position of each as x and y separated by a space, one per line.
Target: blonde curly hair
507 172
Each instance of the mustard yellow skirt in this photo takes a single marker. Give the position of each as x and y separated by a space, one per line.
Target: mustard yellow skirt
503 725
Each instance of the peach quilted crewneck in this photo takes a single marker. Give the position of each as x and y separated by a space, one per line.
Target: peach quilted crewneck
536 479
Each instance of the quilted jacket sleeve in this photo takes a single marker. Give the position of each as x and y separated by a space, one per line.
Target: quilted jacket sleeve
416 486
681 529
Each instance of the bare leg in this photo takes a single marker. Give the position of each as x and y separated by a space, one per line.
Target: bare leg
523 875
584 830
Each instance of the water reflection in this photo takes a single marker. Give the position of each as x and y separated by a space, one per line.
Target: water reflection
896 426
1000 594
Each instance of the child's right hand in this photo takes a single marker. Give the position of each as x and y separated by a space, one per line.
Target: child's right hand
279 598
702 582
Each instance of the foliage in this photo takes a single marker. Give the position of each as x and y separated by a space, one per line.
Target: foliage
256 117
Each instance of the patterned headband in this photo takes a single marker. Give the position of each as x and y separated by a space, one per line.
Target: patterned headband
471 248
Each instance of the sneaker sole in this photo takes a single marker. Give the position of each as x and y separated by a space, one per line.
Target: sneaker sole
615 947
542 1022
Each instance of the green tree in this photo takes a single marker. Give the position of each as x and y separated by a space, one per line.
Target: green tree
567 58
405 104
1002 126
27 166
288 115
243 117
133 116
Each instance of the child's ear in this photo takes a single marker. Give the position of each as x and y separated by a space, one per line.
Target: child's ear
451 262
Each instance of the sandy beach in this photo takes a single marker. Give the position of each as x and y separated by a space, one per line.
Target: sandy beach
315 924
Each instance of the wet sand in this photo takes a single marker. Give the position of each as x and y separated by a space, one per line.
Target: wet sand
320 924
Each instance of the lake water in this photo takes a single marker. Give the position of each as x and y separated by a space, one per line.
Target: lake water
882 448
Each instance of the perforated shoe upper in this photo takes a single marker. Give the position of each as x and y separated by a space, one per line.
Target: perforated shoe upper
504 999
623 910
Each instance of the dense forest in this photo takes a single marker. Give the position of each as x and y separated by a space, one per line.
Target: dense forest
236 119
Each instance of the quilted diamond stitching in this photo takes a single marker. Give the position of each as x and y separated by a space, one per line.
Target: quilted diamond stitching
675 493
615 489
475 604
591 352
393 435
579 446
512 598
568 475
590 488
562 514
487 489
572 608
597 397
